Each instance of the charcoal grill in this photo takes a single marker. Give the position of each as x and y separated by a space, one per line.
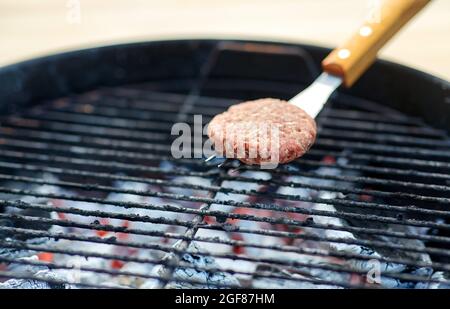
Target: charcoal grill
91 196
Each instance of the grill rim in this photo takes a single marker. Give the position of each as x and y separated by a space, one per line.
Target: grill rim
23 83
200 214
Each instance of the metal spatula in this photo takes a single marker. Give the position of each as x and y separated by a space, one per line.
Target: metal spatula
345 64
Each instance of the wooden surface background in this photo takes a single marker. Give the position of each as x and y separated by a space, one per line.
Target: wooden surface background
30 28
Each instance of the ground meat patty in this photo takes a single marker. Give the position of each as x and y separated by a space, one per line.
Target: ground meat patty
248 132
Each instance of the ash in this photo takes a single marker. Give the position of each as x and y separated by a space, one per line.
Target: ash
313 272
188 278
363 265
39 272
76 274
202 254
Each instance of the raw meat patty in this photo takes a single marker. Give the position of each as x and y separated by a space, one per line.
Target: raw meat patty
249 126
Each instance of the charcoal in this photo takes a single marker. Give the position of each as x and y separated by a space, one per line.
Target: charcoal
205 279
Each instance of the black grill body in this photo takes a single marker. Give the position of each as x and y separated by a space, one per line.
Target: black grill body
86 172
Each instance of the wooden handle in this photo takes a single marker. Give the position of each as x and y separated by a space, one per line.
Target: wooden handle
354 57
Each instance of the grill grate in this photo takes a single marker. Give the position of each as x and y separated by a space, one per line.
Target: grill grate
88 185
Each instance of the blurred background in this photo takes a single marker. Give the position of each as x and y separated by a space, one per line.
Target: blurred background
30 28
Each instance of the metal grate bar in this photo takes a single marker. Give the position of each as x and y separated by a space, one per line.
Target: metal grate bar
119 229
152 97
194 282
393 139
386 159
87 141
177 251
80 129
359 179
144 111
388 171
307 224
325 123
165 124
65 133
358 105
376 127
413 162
342 202
412 151
36 248
123 134
120 154
187 105
114 165
403 209
106 176
113 240
90 187
339 145
140 275
369 231
107 122
346 113
168 264
106 99
125 115
80 268
155 113
364 168
83 150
